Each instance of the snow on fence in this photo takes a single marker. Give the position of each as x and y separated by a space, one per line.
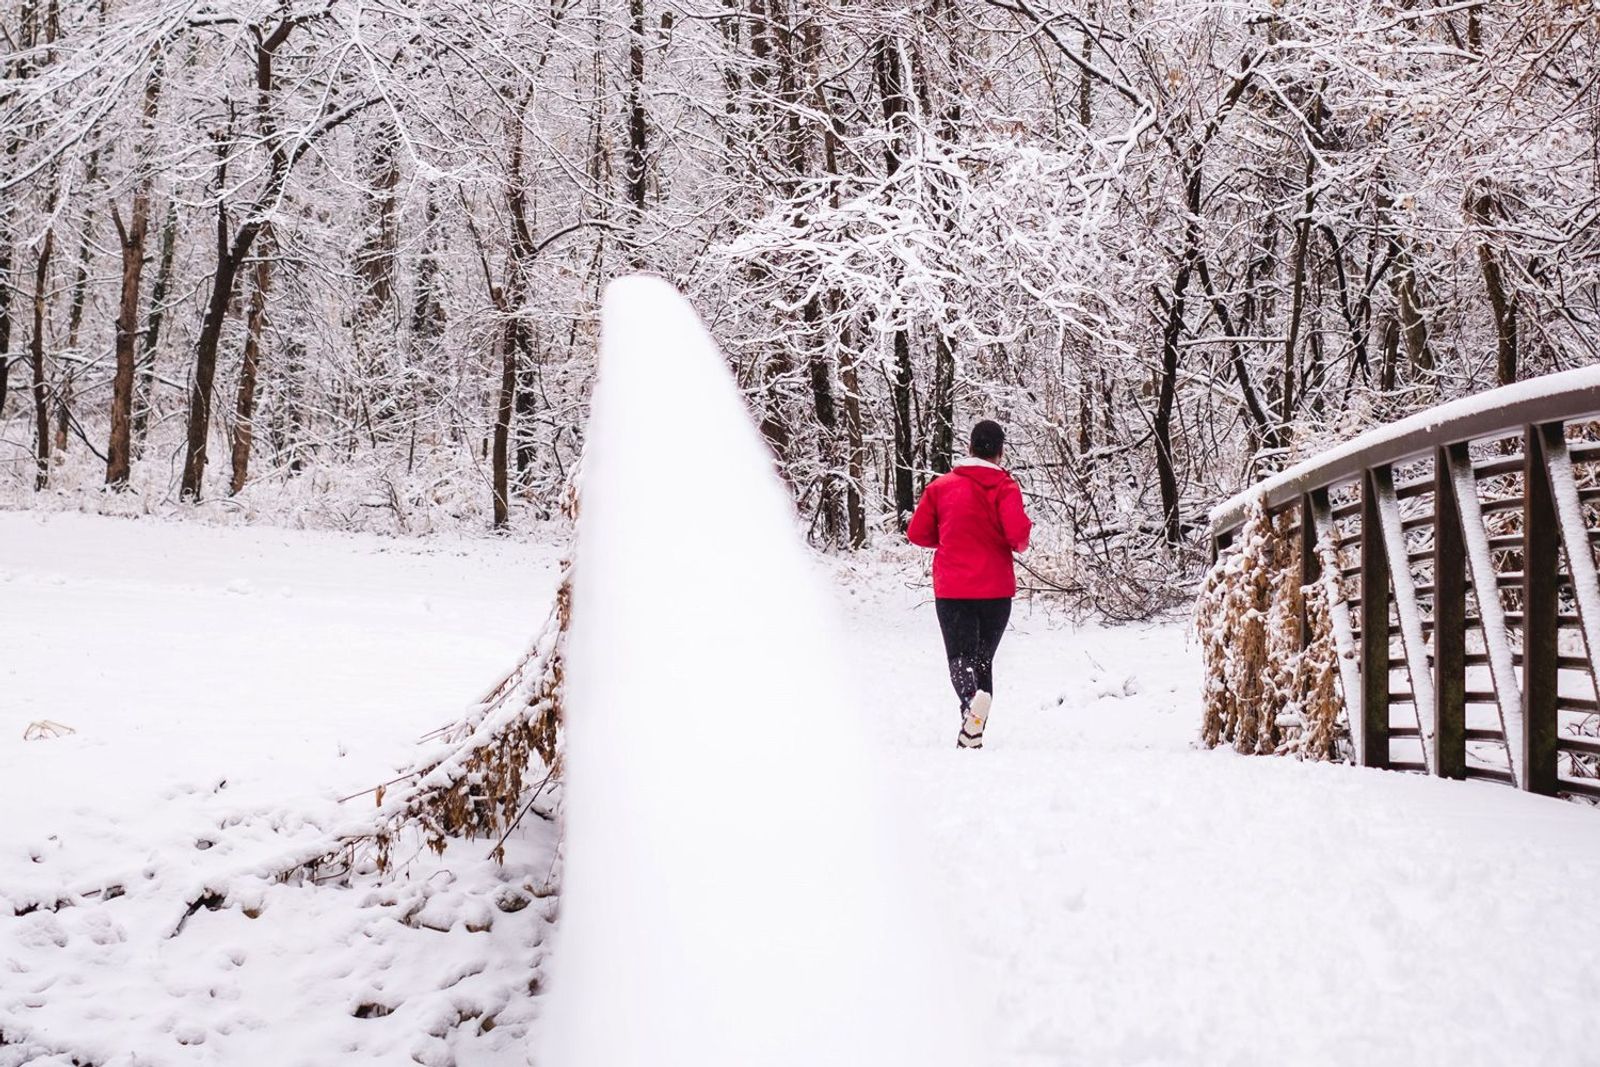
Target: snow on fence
1462 541
731 894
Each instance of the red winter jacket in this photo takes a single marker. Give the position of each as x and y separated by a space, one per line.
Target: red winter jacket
974 518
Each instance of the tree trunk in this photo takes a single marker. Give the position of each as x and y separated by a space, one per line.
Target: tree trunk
1085 412
78 296
634 168
245 408
502 419
891 87
776 369
1166 470
853 461
231 255
5 314
827 415
905 496
205 359
375 259
1390 365
20 69
144 395
943 445
80 278
375 318
944 404
1264 432
1161 425
1481 205
292 410
855 507
1297 297
1086 82
527 408
427 307
41 392
1403 283
64 395
1357 313
732 78
514 340
1413 323
132 239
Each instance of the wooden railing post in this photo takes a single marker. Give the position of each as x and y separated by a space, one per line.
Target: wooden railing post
1541 577
1407 612
1374 750
1321 516
1310 564
1449 624
1491 612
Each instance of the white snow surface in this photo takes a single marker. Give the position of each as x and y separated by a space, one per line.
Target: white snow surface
226 687
733 892
1109 893
1124 897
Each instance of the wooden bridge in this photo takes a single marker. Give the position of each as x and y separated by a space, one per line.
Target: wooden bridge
1469 618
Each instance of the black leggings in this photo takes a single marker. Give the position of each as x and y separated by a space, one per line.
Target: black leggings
972 630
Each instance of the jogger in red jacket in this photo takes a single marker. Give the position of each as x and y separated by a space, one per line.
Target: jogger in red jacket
974 520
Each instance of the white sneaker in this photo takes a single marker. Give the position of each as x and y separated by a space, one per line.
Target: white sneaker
977 717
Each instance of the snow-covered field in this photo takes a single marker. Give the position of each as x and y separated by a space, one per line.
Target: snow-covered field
226 687
1114 894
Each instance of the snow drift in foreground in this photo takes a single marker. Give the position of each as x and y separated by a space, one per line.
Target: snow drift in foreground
225 688
731 893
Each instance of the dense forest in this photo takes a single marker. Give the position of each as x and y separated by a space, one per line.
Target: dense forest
343 258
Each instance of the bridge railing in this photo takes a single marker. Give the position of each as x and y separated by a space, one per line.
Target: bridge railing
1465 541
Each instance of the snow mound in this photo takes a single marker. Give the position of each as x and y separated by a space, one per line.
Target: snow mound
731 893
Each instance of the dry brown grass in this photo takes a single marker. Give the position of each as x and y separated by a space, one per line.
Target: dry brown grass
478 785
1316 693
43 729
1263 693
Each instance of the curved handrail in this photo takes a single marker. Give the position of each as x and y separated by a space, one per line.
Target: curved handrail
1560 397
1417 627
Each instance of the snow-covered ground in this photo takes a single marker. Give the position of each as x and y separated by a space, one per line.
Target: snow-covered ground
226 686
1115 895
1126 898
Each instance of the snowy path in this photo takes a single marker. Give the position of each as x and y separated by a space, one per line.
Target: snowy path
1118 896
1124 898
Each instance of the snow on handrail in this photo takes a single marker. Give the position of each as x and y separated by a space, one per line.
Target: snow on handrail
732 890
1552 397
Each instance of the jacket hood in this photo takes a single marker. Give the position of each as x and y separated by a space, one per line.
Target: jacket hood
985 474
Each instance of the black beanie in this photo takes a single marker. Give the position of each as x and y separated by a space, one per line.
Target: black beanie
987 439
